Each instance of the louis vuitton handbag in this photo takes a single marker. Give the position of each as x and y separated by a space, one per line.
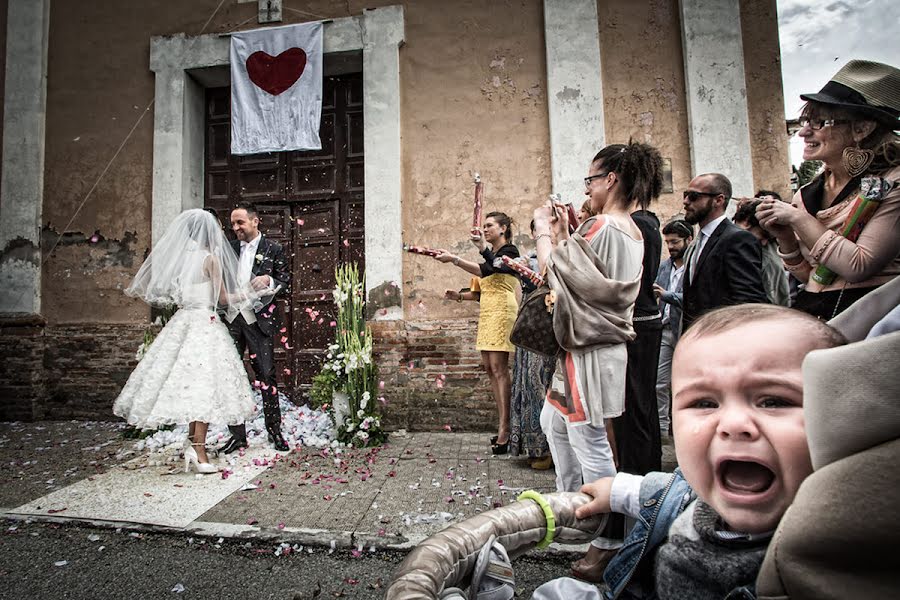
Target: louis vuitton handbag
533 330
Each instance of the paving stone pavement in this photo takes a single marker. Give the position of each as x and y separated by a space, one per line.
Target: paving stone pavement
391 497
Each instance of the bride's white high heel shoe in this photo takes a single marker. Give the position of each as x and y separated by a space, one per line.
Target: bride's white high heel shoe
190 457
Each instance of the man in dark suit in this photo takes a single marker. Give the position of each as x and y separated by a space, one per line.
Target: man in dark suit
724 261
261 264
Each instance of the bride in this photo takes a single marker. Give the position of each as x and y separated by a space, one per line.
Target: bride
191 373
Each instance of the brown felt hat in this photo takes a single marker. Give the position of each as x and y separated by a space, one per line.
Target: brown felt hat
869 88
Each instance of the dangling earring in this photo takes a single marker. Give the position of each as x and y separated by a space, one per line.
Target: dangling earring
856 160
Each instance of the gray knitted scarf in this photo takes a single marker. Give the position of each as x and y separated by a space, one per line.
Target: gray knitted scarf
703 561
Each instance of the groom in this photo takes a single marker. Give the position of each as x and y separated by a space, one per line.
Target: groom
261 264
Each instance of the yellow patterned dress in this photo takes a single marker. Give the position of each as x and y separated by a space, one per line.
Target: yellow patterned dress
498 311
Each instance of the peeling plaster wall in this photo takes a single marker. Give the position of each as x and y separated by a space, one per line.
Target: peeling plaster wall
98 85
3 9
765 97
473 106
644 93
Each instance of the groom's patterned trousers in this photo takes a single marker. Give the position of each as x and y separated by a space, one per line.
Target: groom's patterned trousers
262 360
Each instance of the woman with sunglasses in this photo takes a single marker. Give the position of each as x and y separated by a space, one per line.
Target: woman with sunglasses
595 275
849 126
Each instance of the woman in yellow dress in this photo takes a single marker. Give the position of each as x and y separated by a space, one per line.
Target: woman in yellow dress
494 287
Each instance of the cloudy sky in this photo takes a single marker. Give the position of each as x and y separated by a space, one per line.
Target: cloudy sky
818 37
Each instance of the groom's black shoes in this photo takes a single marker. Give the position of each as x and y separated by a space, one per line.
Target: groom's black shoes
277 440
233 444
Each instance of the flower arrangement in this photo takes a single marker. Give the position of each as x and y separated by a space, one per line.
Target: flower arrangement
162 318
348 378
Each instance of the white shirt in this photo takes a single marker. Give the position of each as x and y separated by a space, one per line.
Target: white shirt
705 232
675 276
248 255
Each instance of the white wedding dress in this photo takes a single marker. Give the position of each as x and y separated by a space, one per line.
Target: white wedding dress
191 371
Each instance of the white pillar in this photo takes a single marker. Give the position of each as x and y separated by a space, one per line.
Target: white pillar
168 150
574 92
22 182
716 91
383 32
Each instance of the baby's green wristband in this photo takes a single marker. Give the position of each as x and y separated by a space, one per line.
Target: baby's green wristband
548 515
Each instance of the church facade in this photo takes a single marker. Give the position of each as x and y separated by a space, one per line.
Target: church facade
116 118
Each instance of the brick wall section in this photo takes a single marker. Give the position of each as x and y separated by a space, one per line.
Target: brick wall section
21 371
76 372
413 355
86 367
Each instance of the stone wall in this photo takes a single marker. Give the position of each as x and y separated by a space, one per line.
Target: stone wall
431 371
21 369
64 372
85 367
432 375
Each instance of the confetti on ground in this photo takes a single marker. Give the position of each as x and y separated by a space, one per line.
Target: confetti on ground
301 426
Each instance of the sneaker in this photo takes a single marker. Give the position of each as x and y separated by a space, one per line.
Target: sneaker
492 578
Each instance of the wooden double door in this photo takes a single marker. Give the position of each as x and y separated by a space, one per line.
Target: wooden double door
310 202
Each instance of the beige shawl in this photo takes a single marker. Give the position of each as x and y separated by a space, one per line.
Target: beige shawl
591 308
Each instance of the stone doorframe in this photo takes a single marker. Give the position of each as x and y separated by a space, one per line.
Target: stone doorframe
178 130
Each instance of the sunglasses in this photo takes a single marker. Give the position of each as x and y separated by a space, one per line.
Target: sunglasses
691 196
817 124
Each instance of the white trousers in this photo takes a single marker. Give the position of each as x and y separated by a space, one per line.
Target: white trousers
566 588
581 453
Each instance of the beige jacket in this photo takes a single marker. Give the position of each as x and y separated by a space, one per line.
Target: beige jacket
840 537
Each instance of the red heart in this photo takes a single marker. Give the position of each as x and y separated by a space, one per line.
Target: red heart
275 74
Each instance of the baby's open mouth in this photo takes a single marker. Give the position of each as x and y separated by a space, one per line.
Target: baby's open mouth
745 477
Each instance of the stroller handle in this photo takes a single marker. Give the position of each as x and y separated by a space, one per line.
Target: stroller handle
447 558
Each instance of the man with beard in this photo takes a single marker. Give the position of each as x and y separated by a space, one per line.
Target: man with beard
724 263
677 235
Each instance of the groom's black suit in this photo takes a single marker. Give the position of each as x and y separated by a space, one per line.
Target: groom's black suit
259 337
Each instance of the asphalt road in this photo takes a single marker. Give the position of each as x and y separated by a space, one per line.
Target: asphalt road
48 561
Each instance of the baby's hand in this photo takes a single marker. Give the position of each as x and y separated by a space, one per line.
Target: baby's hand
600 492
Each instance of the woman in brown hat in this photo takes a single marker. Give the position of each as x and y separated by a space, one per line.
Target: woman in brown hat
839 246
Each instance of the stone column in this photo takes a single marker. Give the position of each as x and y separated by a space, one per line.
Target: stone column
168 149
574 92
22 182
716 91
383 33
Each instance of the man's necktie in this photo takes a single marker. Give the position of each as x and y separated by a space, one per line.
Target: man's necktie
695 254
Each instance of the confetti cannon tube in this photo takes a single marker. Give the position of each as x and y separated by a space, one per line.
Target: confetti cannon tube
872 191
420 250
479 198
447 558
532 276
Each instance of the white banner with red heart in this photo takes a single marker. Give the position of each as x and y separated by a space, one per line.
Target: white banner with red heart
276 89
